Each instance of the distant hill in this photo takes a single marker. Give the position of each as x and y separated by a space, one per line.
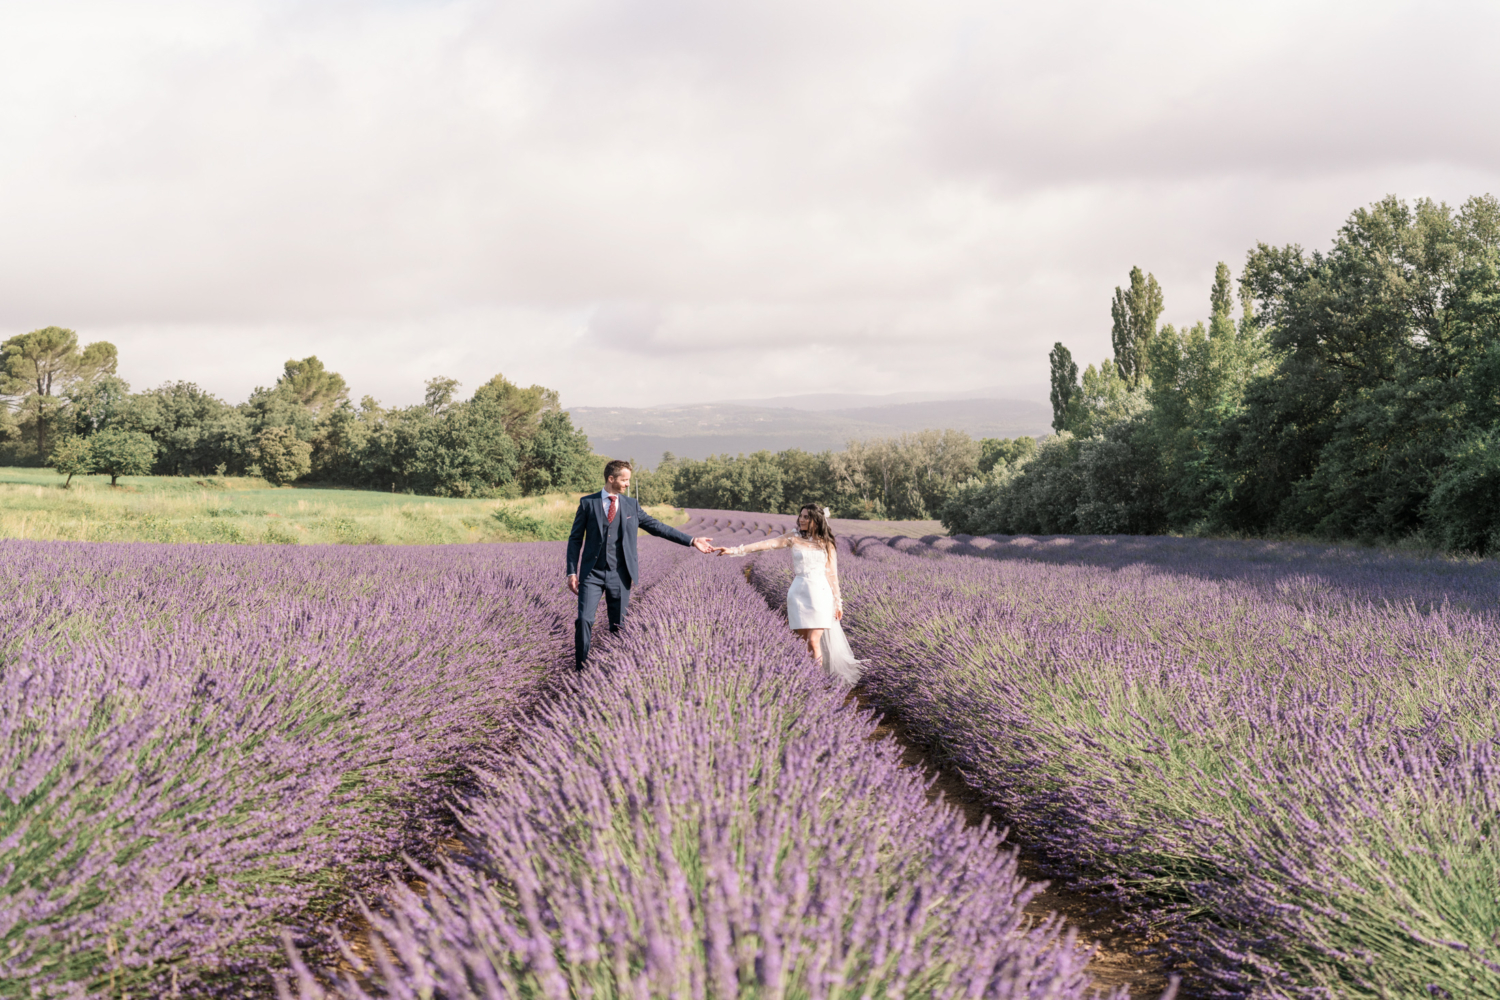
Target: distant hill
700 430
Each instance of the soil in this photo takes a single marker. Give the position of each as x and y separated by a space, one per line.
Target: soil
1118 960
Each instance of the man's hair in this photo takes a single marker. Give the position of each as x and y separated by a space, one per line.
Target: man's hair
615 466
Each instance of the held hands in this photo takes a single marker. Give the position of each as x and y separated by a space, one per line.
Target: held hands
704 545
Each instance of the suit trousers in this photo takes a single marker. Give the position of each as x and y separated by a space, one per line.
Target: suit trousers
616 593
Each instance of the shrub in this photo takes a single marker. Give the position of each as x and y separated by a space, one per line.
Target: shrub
282 456
73 456
1463 513
119 453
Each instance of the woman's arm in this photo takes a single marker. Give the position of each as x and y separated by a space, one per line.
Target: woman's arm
833 582
780 542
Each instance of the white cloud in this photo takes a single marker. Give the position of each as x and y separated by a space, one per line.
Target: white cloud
659 200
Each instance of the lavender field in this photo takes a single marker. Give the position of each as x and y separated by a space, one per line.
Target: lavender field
204 745
1282 758
221 760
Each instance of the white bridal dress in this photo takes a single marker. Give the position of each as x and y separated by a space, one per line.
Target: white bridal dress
812 599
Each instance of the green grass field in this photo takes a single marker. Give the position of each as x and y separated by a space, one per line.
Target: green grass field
34 504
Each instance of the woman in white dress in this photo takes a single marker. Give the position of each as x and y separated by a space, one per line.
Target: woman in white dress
814 606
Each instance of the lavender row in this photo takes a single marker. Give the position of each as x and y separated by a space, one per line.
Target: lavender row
1299 794
701 816
202 743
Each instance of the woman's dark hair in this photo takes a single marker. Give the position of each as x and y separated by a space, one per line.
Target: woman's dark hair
820 531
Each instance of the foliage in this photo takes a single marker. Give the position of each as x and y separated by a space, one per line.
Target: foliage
117 452
1005 452
1465 503
1352 399
72 456
39 369
1067 402
906 477
1135 314
280 456
505 441
311 385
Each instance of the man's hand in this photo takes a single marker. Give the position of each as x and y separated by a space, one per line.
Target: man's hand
573 582
704 545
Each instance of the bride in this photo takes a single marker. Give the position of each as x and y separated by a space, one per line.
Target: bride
814 606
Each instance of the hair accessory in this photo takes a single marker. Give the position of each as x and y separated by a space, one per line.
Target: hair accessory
827 512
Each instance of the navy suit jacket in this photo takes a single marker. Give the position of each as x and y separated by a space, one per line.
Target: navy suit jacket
587 536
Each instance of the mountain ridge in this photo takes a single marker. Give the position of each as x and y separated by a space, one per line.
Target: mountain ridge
698 430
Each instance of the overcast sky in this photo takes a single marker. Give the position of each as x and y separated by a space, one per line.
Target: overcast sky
677 201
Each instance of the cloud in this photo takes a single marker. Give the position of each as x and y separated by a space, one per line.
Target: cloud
658 200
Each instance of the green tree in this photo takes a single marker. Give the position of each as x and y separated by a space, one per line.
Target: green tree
658 485
1066 398
73 456
99 403
1005 453
1135 314
557 456
1380 346
39 368
311 386
281 455
195 431
1104 398
521 410
439 394
118 452
1464 507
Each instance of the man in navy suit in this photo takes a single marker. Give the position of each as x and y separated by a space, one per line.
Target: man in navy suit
601 553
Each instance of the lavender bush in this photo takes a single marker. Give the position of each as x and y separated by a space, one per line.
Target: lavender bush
1286 761
700 815
204 743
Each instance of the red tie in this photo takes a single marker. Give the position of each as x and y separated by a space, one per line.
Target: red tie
610 516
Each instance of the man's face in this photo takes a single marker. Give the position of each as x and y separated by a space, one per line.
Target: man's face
619 484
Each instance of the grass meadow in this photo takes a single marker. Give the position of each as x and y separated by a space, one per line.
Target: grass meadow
35 505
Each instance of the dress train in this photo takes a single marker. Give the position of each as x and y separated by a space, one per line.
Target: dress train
838 658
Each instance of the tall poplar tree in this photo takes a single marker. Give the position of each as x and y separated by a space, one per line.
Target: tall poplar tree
1220 302
1065 391
1135 314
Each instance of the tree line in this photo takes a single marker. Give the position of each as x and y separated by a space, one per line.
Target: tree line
1355 396
909 476
68 410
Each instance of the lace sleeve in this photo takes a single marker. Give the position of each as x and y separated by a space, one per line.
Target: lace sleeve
833 579
780 542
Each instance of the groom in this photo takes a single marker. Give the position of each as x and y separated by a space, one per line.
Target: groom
604 536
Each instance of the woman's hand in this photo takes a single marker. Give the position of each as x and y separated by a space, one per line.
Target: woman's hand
838 615
719 550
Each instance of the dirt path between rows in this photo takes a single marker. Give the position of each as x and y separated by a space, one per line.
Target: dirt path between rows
1117 961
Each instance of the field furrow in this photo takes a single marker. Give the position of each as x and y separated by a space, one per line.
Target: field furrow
701 815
